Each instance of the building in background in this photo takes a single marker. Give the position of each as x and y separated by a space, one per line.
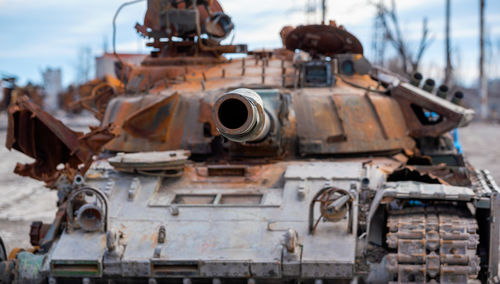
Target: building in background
105 64
52 85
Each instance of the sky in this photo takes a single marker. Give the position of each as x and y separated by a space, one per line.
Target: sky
35 35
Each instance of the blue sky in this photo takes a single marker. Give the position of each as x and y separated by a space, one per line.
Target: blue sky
39 34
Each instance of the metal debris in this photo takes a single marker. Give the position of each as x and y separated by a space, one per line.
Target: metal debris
51 143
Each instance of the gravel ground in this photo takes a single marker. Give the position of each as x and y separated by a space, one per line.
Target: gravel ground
479 142
23 200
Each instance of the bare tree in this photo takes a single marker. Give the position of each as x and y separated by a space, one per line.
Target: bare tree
378 42
448 69
84 64
483 84
457 58
410 59
496 58
311 10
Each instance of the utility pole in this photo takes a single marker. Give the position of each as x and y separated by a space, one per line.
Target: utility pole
448 69
323 12
483 83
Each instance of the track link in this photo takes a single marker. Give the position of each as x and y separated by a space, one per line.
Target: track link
434 245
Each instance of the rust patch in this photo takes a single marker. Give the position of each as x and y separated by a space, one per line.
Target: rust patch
152 122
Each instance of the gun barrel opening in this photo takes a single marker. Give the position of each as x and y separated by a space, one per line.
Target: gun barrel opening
429 85
442 91
416 78
233 113
240 116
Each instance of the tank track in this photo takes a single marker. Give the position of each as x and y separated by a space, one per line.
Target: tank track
434 245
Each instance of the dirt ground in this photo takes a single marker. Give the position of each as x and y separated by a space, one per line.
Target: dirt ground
23 200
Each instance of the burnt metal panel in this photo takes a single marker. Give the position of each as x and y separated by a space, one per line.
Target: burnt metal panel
349 123
414 102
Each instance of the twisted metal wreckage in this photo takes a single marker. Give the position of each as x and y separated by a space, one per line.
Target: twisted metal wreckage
297 164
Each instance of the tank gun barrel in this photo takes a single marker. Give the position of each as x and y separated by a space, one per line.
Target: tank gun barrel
240 116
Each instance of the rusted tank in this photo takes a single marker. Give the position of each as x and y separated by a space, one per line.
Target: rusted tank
303 164
11 91
93 96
